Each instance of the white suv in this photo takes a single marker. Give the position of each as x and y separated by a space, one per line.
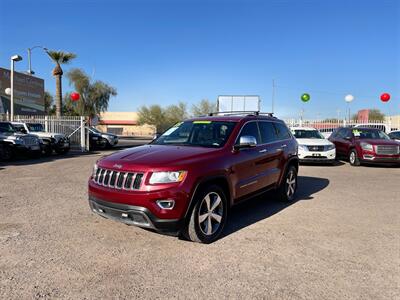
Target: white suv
313 146
51 141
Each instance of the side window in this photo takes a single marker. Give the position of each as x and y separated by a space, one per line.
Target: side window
282 131
341 133
250 128
348 133
267 131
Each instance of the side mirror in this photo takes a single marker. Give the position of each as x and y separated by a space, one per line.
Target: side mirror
348 138
246 141
23 130
156 136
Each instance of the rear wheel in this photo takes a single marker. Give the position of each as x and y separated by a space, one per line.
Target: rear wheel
353 158
208 217
7 152
288 187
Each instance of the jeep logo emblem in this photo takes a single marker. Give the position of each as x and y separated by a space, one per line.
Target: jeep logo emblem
117 166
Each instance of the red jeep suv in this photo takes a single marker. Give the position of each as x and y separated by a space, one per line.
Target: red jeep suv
186 180
365 145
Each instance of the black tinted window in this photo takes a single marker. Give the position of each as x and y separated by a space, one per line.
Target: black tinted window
268 132
282 131
251 129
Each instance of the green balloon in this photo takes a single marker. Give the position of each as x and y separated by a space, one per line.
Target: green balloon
305 97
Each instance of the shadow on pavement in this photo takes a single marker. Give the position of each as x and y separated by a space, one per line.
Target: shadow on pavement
266 205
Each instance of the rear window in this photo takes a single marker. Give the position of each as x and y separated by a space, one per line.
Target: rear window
268 132
283 132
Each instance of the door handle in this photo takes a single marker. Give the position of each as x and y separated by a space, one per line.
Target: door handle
283 146
263 151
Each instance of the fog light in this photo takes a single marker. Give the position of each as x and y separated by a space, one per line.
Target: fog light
166 204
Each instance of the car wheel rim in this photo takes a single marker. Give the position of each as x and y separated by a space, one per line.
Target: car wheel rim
210 213
352 157
290 184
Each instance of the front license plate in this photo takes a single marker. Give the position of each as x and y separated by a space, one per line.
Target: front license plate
35 147
316 154
66 145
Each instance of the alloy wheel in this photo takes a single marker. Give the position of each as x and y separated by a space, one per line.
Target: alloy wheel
210 213
290 184
352 157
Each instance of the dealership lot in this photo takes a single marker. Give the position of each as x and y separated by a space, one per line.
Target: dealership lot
339 240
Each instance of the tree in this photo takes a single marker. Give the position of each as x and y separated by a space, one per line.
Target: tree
49 108
162 118
59 58
205 107
376 115
94 96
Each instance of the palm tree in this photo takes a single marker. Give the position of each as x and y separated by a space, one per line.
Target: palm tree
59 57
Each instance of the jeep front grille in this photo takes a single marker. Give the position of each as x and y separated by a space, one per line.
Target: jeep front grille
118 179
30 140
387 149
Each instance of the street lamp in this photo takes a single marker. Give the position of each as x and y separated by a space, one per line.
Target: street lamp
30 71
14 58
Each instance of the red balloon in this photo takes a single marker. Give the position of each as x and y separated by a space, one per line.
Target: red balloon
385 97
75 96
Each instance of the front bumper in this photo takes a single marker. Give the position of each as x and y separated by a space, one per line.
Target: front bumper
317 156
133 215
26 149
380 159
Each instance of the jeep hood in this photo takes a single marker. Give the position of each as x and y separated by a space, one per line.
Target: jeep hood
155 156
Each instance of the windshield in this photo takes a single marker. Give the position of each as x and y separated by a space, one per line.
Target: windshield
35 127
197 133
307 134
373 134
95 130
6 127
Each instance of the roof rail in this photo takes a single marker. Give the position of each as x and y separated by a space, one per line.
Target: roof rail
248 113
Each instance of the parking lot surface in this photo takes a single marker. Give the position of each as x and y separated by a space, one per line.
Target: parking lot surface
340 240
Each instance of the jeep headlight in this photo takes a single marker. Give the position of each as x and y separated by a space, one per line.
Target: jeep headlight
95 167
366 146
19 141
167 177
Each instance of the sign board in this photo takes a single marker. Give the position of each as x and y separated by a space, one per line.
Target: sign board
28 93
248 103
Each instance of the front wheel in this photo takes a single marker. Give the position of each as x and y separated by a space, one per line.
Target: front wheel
288 187
208 217
353 158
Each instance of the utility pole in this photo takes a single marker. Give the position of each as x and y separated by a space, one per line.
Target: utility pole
273 95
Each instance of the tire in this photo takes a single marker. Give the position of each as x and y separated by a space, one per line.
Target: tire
353 158
47 150
7 153
62 151
287 189
211 208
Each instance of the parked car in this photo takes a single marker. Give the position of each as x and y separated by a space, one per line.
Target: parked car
186 180
102 140
50 140
14 142
5 151
313 146
365 145
395 135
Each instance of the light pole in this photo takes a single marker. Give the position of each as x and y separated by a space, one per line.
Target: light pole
30 71
14 58
348 98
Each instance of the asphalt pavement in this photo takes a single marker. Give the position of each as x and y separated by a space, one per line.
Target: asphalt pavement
340 240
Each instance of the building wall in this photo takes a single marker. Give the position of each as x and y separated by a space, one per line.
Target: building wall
124 123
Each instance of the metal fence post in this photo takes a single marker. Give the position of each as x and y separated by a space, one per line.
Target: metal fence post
83 140
46 124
